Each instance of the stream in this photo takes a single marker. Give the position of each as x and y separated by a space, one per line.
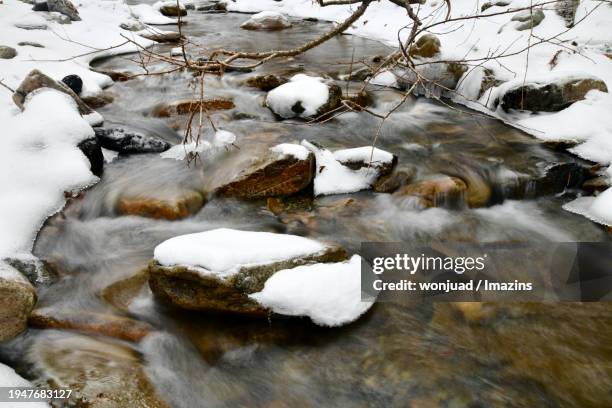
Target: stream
425 355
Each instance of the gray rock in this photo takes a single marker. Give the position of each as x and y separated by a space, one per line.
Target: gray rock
40 5
528 19
7 52
273 21
567 10
171 10
30 44
65 7
552 96
132 25
17 299
36 80
122 141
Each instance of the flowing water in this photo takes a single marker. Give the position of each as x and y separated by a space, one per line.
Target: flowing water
428 355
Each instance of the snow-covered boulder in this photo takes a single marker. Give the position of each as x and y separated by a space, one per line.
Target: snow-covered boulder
17 299
126 142
348 170
266 20
36 80
217 270
64 7
549 96
528 19
304 97
328 293
284 169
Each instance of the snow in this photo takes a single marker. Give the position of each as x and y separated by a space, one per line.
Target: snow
7 272
598 209
224 251
581 49
311 92
291 150
39 159
364 154
149 15
9 378
328 293
332 177
220 141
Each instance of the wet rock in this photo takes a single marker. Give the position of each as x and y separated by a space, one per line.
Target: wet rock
290 101
489 4
115 75
275 174
73 82
7 52
93 151
170 9
164 37
266 20
168 209
30 44
391 182
126 142
265 83
64 7
552 96
596 185
98 101
36 271
101 372
196 288
215 7
528 19
36 80
121 294
121 328
185 107
567 10
426 46
17 299
560 177
436 192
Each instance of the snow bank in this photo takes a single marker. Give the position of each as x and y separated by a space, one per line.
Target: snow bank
151 15
310 92
224 251
332 177
9 378
328 293
291 150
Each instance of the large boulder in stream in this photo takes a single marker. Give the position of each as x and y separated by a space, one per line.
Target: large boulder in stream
17 299
304 97
256 273
166 208
284 169
553 96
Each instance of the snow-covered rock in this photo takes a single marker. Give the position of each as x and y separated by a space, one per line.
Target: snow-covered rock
304 97
328 293
598 209
358 172
126 142
17 299
64 7
217 270
169 8
147 14
283 170
266 20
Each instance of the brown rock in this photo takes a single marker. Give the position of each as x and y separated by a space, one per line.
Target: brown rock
117 327
17 299
120 294
115 75
172 10
435 192
270 176
186 107
190 289
98 101
168 209
265 82
165 37
596 185
391 182
426 46
36 80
